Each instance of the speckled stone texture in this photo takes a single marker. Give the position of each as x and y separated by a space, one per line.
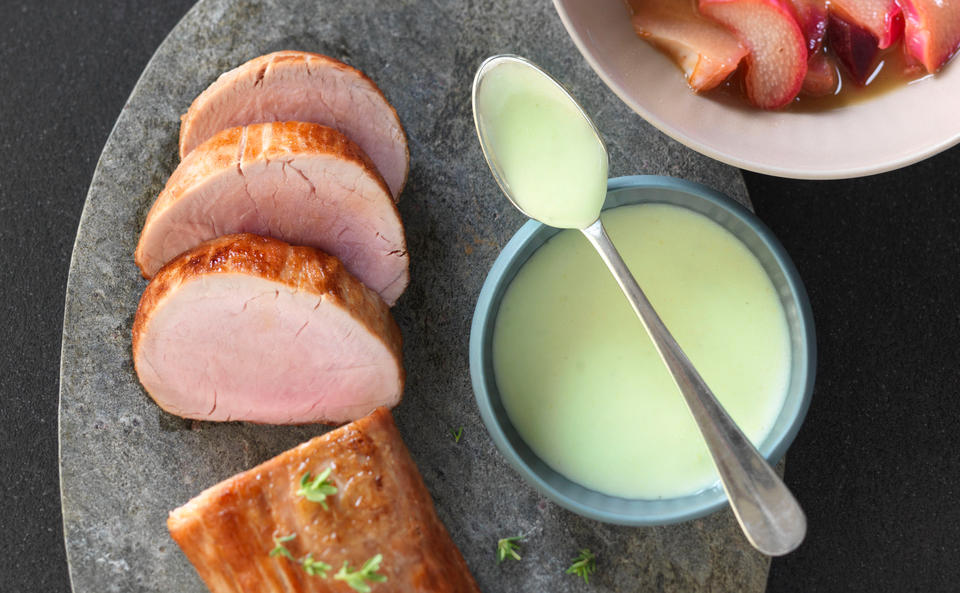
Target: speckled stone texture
125 463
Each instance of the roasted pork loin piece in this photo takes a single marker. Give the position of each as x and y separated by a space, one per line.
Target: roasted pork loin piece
302 183
249 328
381 507
308 87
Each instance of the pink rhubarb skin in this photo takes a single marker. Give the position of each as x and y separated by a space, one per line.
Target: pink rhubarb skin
777 62
932 31
706 52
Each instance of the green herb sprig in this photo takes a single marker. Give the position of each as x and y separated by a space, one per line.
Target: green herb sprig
314 568
317 490
279 549
357 579
583 565
508 547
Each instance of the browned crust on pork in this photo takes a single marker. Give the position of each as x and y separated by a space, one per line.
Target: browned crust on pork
261 65
382 507
300 268
224 152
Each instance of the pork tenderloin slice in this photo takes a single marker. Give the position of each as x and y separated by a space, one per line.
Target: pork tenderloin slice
250 328
304 183
303 86
381 507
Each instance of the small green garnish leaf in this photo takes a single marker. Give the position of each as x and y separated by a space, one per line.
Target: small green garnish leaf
315 568
509 547
358 579
457 434
583 565
279 549
317 490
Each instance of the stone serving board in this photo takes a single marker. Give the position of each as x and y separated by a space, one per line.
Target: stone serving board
125 463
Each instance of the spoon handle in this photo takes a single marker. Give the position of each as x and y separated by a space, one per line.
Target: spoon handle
768 513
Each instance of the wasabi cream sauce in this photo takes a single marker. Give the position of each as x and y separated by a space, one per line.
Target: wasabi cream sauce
546 151
581 380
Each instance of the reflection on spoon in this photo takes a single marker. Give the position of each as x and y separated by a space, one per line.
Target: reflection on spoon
550 161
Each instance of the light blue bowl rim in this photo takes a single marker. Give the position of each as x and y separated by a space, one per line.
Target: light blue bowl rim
773 448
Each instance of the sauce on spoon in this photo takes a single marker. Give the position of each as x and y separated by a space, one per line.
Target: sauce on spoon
549 157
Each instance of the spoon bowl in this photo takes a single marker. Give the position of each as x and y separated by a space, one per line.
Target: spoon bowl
551 160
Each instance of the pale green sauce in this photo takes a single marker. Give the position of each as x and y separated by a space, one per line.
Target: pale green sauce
547 153
581 380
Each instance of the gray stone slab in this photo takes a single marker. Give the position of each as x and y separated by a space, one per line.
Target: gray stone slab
125 464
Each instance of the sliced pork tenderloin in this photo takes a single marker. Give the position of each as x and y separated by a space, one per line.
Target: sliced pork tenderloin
302 183
302 86
250 328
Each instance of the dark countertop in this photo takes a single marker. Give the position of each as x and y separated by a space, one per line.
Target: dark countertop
874 465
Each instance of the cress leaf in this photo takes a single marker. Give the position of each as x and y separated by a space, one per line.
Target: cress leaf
508 547
279 549
357 580
315 568
318 489
583 565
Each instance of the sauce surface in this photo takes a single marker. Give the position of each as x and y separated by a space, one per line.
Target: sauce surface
581 380
547 153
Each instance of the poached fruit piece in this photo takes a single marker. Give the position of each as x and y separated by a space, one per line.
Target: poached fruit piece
859 29
822 75
932 31
811 15
855 47
777 62
881 18
707 53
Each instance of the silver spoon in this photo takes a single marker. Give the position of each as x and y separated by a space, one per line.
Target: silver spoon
769 515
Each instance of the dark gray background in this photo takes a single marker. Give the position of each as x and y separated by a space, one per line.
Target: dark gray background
875 465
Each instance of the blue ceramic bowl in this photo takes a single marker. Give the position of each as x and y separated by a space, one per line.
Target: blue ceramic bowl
776 262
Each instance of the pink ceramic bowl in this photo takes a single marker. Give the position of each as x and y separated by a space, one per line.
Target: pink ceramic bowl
879 134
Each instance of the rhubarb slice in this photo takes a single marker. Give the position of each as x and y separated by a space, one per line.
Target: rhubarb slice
859 29
706 52
777 62
932 32
811 15
855 46
822 76
881 18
